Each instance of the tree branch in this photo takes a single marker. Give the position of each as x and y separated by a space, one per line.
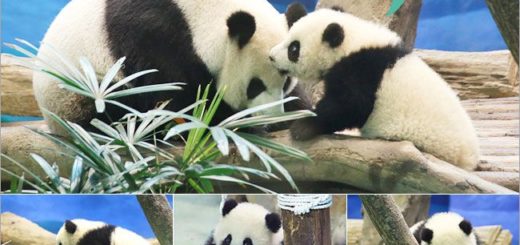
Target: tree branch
159 215
505 13
388 220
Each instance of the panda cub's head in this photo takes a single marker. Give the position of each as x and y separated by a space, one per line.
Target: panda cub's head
318 40
251 78
445 228
84 232
247 224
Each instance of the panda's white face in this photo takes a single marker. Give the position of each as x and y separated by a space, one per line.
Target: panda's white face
247 224
73 230
447 228
319 40
247 73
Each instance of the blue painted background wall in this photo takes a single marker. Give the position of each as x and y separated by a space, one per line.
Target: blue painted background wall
444 24
481 210
50 211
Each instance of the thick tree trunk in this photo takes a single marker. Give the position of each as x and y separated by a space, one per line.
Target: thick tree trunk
404 21
414 209
312 228
388 220
159 215
505 13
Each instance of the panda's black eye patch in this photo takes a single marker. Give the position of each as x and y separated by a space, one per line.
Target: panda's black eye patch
247 241
228 240
293 52
255 87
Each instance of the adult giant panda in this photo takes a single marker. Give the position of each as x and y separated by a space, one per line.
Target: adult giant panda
445 228
86 232
373 83
246 224
190 41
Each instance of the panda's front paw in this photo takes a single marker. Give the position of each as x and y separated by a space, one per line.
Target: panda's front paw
305 129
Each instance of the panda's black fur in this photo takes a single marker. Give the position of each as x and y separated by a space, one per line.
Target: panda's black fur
163 43
350 88
99 236
272 221
424 234
160 35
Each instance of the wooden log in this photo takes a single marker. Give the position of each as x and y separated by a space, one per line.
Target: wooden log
388 220
17 95
159 215
505 14
312 228
475 74
370 165
404 21
16 230
414 208
506 179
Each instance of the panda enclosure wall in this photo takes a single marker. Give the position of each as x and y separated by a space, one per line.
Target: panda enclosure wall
486 81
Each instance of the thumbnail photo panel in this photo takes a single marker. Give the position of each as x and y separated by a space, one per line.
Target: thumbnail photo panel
87 219
432 219
260 219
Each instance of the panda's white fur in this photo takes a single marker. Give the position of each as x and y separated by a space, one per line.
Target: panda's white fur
445 229
84 232
315 56
412 101
80 30
245 220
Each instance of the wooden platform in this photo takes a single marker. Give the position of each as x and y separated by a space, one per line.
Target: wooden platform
489 235
497 125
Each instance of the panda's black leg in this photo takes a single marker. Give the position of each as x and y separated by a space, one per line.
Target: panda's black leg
303 103
328 120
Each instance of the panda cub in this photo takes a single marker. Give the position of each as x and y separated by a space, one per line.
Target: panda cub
373 83
445 228
86 232
191 41
246 224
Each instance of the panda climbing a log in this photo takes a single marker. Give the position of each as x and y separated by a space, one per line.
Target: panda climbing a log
191 41
86 232
246 224
374 84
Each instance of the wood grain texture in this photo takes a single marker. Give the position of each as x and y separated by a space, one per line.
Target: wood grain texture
505 14
312 228
159 215
388 220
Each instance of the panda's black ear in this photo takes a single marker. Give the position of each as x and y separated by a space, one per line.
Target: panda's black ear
338 8
273 222
426 235
333 35
241 26
466 227
294 12
70 227
229 205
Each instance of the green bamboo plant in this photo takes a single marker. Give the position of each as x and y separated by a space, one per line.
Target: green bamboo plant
136 154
